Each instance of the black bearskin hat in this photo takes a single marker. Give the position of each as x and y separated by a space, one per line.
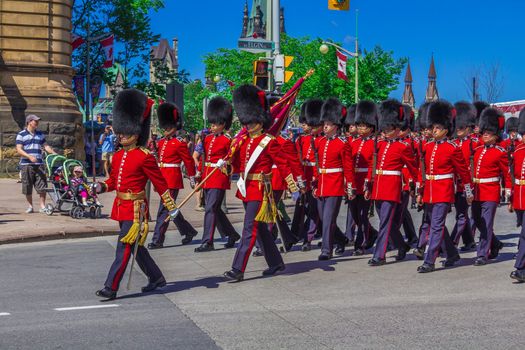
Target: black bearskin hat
391 113
409 118
511 124
333 111
422 117
302 116
251 106
480 106
466 114
132 114
312 112
521 124
169 116
219 111
367 113
350 115
492 120
443 113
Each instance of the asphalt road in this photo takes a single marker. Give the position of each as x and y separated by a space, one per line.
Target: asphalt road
38 279
337 304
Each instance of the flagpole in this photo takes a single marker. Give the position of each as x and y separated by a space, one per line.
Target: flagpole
356 59
89 111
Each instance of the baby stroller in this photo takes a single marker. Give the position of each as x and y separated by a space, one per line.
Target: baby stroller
66 196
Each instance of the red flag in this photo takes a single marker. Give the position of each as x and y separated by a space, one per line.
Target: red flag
76 41
107 46
341 65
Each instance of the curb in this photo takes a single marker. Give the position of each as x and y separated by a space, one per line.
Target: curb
58 235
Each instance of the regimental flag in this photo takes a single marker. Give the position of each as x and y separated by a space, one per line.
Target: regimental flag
76 41
78 88
339 5
107 46
341 65
95 92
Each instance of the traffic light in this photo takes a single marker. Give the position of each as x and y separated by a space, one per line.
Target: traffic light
262 74
339 5
281 74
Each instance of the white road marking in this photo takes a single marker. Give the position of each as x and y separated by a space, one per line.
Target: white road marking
85 307
4 314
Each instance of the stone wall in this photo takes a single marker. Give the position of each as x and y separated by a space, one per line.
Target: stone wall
35 72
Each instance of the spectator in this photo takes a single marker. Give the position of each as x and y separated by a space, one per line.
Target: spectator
89 146
107 142
197 154
30 144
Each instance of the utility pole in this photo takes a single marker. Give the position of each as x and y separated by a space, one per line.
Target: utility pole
89 111
474 92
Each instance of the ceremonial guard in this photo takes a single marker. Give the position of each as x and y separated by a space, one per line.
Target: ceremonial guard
132 166
173 152
366 117
216 146
253 160
351 212
480 107
490 167
511 129
518 198
443 161
465 122
335 176
384 183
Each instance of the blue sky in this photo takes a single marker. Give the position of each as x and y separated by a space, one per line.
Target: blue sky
462 34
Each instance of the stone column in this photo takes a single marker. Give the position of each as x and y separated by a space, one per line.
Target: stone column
35 72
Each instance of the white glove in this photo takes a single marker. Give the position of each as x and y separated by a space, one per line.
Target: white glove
221 163
192 181
96 187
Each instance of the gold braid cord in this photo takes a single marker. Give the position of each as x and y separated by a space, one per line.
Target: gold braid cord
268 211
135 230
169 203
292 185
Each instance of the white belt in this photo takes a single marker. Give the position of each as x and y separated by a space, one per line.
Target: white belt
361 170
212 165
440 177
520 182
274 166
330 170
388 172
485 180
309 163
169 165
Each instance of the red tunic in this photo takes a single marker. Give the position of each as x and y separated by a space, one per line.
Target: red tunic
518 193
336 166
290 153
467 145
269 156
407 178
363 155
172 152
443 162
130 171
490 164
506 143
216 147
392 156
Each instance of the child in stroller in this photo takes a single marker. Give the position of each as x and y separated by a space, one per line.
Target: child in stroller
78 186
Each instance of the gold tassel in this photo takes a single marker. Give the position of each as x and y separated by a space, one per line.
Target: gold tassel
135 231
268 210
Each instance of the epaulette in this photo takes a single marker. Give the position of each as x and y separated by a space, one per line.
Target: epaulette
227 135
404 143
342 138
474 139
180 138
500 148
145 150
452 143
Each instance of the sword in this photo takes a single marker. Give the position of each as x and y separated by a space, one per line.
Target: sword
142 217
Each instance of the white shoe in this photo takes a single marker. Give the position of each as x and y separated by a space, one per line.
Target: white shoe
29 210
43 211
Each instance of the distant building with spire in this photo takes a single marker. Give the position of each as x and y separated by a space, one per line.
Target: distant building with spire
432 91
254 20
408 93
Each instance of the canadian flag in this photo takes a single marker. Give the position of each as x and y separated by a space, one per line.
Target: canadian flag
341 65
107 46
76 41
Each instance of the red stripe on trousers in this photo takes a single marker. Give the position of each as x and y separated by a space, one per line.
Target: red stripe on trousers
122 268
252 243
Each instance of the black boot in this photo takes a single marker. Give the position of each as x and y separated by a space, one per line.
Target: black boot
273 270
188 238
257 252
155 245
161 282
376 262
451 261
495 251
425 268
205 247
232 238
106 293
234 275
518 275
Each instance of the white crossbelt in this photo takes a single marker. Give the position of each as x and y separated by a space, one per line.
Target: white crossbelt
440 177
309 163
485 180
330 170
361 170
520 182
169 165
388 172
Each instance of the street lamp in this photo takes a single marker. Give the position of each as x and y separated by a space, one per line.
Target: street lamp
324 50
216 78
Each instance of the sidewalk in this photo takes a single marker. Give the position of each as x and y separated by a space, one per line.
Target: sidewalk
17 226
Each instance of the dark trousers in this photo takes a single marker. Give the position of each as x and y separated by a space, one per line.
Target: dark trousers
161 226
386 210
520 257
462 227
252 231
407 222
299 217
483 214
314 219
214 216
122 255
351 220
328 208
439 238
366 233
424 229
286 233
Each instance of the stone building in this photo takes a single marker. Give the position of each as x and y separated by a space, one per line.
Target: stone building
36 73
164 55
432 90
408 93
254 21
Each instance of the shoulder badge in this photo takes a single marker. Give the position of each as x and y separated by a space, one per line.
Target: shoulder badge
500 148
342 138
227 135
404 143
145 150
452 143
180 139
